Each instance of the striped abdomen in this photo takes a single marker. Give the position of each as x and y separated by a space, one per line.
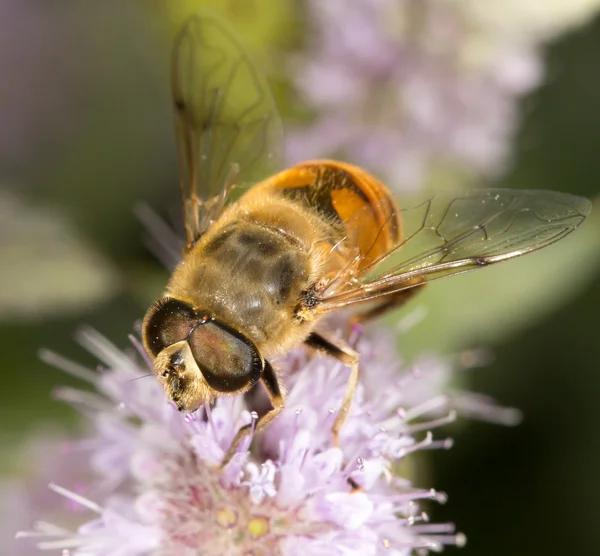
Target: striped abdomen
347 197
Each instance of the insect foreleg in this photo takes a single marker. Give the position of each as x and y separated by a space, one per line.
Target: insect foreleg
350 358
271 384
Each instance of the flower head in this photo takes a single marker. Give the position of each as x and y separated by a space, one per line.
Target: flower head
46 457
406 88
159 488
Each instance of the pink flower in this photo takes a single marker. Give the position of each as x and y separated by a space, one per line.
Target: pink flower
154 485
405 88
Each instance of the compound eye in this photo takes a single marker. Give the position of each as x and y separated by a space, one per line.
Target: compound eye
167 322
228 360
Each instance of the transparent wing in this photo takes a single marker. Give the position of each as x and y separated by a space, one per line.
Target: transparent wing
228 129
453 233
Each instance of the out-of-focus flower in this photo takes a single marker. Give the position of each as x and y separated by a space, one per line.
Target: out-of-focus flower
530 20
37 91
47 457
158 488
406 88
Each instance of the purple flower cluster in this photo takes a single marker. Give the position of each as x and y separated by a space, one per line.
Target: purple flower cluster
404 87
154 484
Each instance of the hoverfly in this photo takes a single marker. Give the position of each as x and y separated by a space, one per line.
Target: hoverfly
260 270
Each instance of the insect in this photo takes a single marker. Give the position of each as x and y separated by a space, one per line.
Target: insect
262 268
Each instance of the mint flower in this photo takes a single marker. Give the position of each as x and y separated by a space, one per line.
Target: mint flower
45 457
409 88
154 487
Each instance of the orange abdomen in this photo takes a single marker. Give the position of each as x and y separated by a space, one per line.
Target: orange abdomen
349 197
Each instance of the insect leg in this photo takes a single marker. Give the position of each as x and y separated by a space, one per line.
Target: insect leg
276 397
350 358
390 302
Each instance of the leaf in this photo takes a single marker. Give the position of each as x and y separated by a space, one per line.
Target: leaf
46 267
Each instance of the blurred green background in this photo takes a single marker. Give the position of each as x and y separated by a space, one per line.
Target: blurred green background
87 133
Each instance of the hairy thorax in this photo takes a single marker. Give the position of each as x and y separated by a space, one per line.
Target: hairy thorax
251 275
